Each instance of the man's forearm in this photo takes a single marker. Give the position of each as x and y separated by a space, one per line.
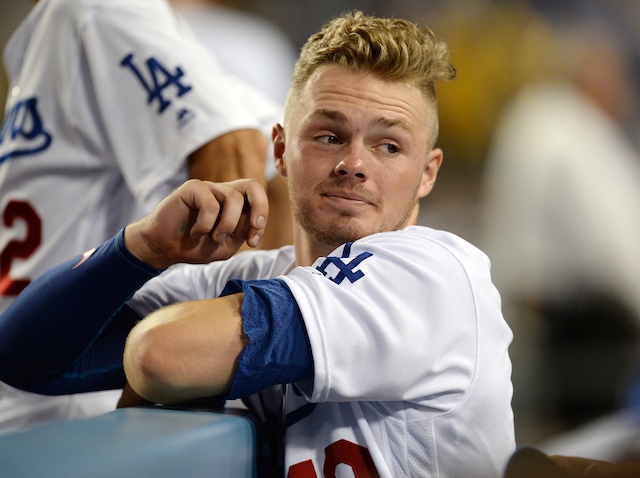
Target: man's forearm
50 335
186 351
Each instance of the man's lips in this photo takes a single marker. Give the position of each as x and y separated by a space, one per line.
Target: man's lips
348 197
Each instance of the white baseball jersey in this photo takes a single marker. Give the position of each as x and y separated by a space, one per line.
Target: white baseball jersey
106 102
411 370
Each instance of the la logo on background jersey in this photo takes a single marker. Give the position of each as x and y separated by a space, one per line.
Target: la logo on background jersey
23 132
161 84
338 269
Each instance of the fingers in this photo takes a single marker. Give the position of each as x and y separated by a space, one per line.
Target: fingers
199 197
258 214
200 222
238 208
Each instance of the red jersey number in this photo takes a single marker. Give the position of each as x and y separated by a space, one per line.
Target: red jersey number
341 452
18 249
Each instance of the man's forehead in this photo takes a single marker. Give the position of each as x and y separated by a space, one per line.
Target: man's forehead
340 94
337 116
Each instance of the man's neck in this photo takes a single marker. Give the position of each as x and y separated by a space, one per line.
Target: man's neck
307 249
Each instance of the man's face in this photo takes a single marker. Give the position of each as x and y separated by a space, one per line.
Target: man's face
356 154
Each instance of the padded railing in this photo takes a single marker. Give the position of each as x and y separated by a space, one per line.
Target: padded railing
135 442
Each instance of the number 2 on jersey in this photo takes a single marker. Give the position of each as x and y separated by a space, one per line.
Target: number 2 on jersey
18 249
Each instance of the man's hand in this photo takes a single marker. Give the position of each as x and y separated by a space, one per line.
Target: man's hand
200 222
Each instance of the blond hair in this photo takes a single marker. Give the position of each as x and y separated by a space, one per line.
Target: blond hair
393 49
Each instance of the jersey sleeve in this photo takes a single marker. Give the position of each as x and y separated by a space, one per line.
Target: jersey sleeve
151 77
278 351
393 317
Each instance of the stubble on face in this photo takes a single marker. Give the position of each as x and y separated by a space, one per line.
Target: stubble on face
344 225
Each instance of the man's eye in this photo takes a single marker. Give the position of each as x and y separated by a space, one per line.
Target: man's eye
390 148
328 139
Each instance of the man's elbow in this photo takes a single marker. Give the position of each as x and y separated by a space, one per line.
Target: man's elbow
147 369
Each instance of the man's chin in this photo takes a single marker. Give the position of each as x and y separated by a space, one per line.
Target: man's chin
336 230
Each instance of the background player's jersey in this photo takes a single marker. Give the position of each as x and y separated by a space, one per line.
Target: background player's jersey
441 407
91 144
95 135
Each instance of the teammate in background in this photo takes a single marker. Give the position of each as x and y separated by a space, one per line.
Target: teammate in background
112 105
376 344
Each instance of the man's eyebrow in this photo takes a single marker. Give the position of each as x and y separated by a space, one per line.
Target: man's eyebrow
392 123
333 115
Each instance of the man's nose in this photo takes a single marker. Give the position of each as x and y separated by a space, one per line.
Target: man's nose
352 164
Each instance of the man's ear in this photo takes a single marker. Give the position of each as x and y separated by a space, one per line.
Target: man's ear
434 161
277 136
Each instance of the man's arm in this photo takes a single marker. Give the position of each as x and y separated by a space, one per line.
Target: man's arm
279 230
64 333
185 351
235 155
249 339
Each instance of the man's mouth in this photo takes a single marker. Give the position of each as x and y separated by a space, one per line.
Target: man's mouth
348 198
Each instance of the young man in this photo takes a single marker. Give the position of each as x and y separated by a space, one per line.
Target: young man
370 344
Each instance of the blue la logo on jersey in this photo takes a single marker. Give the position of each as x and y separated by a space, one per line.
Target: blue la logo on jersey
157 82
23 132
343 269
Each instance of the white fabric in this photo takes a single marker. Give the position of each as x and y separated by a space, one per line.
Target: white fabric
409 349
108 155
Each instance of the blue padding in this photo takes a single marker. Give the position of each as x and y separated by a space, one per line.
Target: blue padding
135 442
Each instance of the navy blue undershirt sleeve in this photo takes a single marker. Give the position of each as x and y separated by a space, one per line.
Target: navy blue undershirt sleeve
278 350
65 332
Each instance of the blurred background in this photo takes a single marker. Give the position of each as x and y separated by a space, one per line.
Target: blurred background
541 171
